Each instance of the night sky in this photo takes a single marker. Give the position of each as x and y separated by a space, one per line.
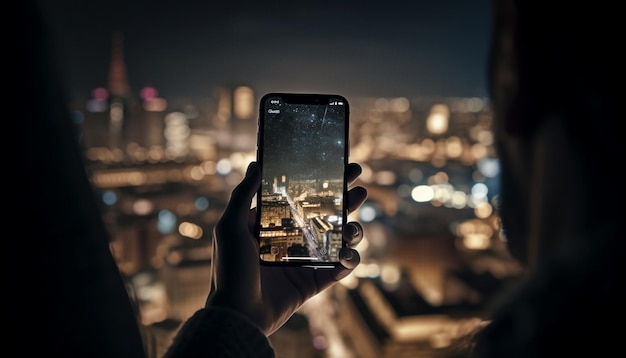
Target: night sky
305 142
356 48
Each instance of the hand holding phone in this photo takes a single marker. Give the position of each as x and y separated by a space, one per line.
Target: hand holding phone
269 294
269 289
303 151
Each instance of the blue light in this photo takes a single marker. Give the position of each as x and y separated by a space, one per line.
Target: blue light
166 222
489 167
202 203
109 197
367 213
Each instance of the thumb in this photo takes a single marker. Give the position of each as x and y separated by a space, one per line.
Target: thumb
233 248
241 196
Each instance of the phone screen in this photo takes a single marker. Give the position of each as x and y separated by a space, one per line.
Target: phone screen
303 151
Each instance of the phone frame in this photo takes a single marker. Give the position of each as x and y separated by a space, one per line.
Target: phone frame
330 236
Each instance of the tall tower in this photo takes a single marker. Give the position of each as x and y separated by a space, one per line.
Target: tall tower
118 75
119 92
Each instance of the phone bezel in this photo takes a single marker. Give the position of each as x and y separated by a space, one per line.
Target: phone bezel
301 98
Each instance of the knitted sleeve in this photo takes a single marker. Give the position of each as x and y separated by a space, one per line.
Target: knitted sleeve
219 332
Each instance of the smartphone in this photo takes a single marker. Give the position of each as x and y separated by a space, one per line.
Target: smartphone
303 150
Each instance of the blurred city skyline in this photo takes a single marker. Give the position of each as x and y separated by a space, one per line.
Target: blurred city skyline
186 48
163 164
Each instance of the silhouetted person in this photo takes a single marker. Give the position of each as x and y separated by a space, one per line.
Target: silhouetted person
66 295
554 86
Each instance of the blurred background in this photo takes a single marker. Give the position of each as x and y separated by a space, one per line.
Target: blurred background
165 98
